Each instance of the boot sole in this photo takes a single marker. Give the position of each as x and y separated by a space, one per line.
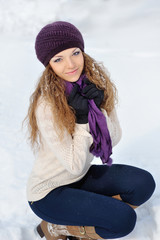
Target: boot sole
39 230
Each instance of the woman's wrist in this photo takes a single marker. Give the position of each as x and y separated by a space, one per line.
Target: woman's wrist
82 119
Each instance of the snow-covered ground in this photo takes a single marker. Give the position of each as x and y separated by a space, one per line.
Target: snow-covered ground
125 36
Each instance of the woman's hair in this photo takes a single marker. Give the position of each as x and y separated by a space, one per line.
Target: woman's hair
52 89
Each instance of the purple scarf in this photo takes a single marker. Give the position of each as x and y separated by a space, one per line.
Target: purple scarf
102 145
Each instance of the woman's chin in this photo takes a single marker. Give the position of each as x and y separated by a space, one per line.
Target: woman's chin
72 78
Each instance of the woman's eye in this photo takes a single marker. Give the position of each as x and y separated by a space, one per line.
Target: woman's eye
57 60
76 53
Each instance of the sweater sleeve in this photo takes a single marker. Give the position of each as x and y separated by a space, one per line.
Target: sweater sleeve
72 151
113 126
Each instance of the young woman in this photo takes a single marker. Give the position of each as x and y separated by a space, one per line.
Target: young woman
72 118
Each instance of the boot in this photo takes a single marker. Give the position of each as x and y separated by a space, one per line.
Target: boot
119 198
54 232
83 232
45 229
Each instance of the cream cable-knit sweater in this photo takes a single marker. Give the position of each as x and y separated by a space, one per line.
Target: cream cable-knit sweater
63 162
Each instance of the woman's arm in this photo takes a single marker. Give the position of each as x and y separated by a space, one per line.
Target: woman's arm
71 151
113 126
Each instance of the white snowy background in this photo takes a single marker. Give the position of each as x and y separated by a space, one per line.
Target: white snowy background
125 36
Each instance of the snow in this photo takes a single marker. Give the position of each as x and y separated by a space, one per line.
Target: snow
125 36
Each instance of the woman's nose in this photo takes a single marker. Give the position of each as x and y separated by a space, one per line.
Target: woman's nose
70 63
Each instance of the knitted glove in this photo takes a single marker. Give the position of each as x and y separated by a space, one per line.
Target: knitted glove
92 92
79 104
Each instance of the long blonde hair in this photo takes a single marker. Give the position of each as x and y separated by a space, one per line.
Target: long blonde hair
51 87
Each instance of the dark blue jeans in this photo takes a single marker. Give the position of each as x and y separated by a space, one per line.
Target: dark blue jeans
88 202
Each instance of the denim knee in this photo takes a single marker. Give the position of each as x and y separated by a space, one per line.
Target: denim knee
144 188
126 222
120 226
141 187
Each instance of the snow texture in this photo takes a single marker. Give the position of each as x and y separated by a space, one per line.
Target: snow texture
125 36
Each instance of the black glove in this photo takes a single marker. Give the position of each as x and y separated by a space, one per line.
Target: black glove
79 104
92 92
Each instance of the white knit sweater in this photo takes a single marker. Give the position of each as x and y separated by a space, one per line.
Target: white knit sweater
63 162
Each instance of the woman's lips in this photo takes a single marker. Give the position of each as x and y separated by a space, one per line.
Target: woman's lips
70 73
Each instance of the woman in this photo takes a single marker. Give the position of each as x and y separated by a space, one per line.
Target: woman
72 118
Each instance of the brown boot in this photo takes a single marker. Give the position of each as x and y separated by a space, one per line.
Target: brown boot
45 229
119 198
54 232
84 232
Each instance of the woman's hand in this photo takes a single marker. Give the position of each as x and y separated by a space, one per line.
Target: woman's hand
79 104
92 92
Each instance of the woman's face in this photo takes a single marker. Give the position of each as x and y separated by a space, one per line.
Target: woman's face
68 64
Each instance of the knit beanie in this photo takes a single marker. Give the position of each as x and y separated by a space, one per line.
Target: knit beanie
56 37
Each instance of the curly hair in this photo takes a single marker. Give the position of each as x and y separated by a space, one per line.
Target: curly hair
52 89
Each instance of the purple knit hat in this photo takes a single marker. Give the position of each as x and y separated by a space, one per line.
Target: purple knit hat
56 37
